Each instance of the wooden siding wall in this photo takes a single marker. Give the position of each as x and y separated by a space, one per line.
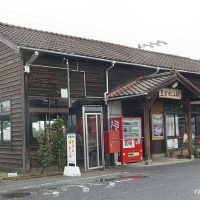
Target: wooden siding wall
121 74
95 78
194 79
46 82
10 89
77 85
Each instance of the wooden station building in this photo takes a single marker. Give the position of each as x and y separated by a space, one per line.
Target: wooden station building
45 75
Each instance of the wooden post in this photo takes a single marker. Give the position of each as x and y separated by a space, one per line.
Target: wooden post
147 133
189 129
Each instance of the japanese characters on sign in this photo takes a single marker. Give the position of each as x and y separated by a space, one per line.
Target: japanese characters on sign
71 149
115 124
170 93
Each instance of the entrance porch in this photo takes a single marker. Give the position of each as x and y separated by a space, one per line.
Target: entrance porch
163 101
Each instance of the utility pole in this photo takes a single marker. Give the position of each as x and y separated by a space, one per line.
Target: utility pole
151 44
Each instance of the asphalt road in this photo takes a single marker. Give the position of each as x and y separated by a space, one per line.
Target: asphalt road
176 182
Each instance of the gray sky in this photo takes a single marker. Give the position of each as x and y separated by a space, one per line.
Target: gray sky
126 22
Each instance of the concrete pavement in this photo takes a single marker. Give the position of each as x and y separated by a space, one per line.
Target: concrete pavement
161 161
93 174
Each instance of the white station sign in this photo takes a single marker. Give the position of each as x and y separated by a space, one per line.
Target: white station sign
170 93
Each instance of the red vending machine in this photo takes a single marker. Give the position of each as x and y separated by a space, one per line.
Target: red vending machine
130 129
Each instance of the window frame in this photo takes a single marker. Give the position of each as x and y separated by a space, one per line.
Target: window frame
176 125
5 113
49 106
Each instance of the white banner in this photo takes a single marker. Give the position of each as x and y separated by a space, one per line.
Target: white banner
71 149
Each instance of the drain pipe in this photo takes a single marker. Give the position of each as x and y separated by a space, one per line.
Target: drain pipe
112 155
105 93
107 81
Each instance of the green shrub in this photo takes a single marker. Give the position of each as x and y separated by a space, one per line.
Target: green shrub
57 138
43 157
196 150
53 149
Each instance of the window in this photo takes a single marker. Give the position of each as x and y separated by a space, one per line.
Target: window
5 125
175 125
196 125
42 112
169 124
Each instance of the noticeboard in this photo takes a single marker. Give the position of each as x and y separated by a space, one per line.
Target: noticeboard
157 127
71 149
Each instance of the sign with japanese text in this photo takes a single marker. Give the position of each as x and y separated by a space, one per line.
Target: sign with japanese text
71 149
170 93
115 124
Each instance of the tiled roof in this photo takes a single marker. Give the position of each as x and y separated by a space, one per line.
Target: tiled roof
30 38
148 85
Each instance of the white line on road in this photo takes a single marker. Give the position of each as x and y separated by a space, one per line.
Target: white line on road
84 188
110 185
67 181
123 180
54 193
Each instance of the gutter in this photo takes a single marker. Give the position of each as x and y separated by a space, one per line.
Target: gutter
189 72
104 60
125 97
91 58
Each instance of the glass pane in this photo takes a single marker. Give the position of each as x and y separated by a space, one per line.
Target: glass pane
39 103
39 122
5 128
177 127
38 125
180 124
193 122
1 134
6 131
169 124
5 106
92 140
197 125
58 103
38 129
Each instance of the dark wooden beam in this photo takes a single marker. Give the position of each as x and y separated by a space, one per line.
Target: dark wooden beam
147 132
189 128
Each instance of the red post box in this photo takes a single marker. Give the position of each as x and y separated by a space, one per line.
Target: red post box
111 141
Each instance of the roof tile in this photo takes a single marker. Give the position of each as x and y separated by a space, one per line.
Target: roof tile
26 37
141 86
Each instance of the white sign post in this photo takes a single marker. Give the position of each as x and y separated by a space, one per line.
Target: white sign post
71 169
71 149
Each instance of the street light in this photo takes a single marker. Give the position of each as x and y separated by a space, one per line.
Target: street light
151 44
